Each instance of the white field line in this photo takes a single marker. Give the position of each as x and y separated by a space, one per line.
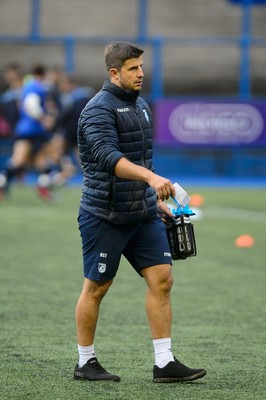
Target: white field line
237 213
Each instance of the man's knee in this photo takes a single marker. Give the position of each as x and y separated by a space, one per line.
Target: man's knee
166 283
159 278
96 289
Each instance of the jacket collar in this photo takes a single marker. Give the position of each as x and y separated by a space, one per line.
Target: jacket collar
126 95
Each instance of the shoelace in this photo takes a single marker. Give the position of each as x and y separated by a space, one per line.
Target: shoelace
95 364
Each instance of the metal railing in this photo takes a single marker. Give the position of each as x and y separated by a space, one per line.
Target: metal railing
244 42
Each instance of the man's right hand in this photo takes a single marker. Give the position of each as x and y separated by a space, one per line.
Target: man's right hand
163 187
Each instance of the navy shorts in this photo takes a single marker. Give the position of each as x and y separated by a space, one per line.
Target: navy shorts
144 245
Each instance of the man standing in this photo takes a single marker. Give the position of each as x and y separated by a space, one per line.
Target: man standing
118 214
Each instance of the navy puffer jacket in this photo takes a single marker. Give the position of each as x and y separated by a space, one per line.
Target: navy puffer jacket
115 124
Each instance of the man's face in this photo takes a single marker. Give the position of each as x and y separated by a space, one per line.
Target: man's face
130 76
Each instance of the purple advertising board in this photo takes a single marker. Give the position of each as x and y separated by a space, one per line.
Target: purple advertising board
210 123
245 2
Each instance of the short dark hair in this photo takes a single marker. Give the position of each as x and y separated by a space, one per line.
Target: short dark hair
117 53
39 70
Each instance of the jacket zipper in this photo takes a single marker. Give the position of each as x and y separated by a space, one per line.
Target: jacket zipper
143 159
144 140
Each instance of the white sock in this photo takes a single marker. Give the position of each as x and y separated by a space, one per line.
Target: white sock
162 352
85 354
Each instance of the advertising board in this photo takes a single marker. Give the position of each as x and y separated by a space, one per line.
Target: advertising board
210 123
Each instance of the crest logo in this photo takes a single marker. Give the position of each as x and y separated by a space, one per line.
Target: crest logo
101 268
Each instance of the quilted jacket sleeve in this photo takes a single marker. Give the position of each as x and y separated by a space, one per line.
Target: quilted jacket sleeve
100 133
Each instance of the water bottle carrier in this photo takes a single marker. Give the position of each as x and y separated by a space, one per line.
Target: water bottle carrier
181 237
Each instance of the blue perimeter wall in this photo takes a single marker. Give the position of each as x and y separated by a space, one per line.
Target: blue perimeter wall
231 162
203 165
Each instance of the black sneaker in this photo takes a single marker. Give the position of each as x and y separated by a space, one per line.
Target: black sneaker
93 371
174 371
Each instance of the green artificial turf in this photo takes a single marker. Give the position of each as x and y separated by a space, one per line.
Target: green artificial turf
218 305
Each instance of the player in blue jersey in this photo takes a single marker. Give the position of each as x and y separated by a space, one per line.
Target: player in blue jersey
32 132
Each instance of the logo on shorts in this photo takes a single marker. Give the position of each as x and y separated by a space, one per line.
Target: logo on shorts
101 268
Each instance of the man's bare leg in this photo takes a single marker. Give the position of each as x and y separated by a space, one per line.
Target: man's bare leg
159 281
87 310
159 312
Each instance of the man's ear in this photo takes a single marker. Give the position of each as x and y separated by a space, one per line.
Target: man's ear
113 72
